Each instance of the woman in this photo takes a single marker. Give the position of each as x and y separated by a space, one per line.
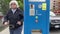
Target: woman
14 18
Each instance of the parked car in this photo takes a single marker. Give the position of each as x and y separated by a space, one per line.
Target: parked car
54 20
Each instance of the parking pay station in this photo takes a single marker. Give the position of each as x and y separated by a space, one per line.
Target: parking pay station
36 16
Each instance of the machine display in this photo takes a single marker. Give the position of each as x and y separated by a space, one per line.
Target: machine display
37 0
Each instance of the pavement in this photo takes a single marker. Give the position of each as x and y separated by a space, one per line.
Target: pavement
6 31
55 31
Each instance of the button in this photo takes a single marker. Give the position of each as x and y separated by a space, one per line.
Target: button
36 21
36 17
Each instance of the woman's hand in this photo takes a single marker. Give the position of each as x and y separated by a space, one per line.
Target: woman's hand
6 23
19 22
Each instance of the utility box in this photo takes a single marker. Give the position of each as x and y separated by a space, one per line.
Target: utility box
36 16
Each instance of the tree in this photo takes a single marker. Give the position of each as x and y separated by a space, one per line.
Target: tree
4 5
20 2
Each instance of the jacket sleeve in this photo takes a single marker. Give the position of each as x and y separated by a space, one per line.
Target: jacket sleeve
21 19
5 18
21 16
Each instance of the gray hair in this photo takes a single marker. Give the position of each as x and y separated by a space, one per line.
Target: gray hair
13 2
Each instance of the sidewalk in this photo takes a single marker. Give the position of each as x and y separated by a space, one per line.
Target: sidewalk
6 31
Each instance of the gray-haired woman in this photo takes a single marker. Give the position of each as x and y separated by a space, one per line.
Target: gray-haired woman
14 18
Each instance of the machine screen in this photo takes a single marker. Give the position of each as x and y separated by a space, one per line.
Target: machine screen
37 0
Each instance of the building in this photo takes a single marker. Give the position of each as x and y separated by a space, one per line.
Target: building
55 6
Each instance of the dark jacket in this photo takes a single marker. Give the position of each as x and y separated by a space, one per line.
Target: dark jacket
13 18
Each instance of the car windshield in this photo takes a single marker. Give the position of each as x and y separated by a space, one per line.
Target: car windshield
52 14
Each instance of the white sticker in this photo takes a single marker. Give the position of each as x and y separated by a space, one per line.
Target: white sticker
37 0
32 10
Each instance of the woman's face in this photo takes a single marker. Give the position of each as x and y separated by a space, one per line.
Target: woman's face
13 5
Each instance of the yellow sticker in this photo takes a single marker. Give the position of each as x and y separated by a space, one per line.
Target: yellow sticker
44 6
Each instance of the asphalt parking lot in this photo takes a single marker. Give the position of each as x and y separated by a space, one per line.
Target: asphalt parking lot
55 31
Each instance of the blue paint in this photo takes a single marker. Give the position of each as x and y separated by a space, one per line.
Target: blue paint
43 20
